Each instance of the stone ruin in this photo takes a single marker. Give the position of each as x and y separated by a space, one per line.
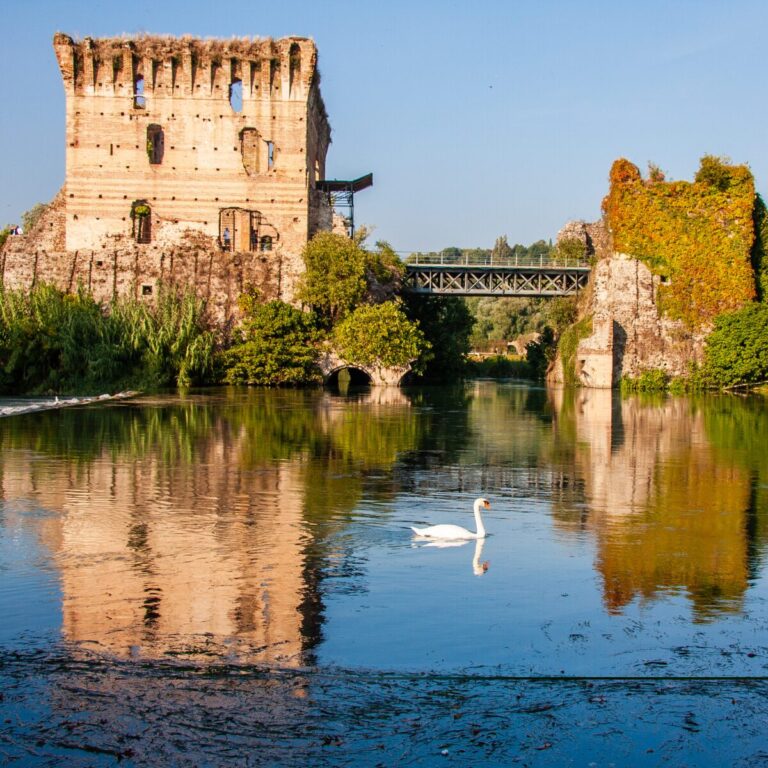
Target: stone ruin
192 162
630 333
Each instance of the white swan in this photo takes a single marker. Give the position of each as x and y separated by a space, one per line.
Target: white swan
455 532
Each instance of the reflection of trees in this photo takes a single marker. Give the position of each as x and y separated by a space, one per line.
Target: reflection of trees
738 431
670 509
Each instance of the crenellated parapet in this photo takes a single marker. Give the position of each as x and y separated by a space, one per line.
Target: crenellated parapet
188 67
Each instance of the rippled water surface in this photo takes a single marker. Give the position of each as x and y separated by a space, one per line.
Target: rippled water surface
229 577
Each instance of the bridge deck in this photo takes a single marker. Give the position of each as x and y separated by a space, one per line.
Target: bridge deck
511 277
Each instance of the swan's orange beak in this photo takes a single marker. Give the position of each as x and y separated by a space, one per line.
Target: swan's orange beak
487 504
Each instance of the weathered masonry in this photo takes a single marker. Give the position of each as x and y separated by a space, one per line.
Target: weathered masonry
189 161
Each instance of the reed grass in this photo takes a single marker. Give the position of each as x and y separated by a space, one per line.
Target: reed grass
52 342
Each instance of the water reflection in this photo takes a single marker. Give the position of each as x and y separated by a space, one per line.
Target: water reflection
669 509
226 523
179 525
478 567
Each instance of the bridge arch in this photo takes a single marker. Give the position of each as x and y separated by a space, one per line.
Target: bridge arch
358 375
379 376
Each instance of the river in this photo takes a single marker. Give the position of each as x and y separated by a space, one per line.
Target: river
228 577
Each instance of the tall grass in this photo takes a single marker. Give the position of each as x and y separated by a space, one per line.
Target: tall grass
54 342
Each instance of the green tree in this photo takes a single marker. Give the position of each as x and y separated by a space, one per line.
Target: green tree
760 248
381 336
276 345
32 216
451 255
501 249
446 323
539 249
737 348
539 354
341 274
384 272
334 280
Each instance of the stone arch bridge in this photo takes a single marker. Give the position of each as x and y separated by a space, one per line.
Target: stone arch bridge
380 376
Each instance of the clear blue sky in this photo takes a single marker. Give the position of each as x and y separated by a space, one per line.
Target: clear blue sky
477 118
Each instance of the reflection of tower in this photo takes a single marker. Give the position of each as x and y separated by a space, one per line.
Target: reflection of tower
667 512
160 557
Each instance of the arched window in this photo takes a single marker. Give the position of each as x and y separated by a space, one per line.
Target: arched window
266 243
141 216
155 144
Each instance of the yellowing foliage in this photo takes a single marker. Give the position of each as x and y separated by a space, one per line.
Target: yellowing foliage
696 235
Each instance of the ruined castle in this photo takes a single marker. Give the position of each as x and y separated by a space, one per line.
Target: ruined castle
196 162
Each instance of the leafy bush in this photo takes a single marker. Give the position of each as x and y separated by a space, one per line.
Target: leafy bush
381 336
737 349
571 249
648 381
500 367
276 346
715 171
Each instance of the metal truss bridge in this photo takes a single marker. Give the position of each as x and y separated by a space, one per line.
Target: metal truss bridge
497 277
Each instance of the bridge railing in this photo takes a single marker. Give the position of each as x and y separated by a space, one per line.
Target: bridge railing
541 262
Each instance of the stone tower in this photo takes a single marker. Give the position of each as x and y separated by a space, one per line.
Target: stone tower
189 161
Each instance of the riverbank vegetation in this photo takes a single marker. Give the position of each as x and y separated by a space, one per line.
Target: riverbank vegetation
54 342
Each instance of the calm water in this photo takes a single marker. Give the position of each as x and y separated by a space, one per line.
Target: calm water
230 578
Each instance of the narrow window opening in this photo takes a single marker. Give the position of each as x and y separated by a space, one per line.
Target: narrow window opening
141 216
139 102
294 67
236 95
146 290
266 243
270 155
155 144
250 146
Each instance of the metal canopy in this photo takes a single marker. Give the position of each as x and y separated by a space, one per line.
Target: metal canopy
341 196
338 185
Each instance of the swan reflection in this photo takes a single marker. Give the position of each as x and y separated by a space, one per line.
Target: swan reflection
478 567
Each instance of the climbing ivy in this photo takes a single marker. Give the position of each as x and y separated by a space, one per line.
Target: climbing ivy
698 236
